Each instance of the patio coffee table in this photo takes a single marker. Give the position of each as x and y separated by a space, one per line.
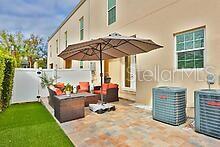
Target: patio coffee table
68 108
71 107
90 98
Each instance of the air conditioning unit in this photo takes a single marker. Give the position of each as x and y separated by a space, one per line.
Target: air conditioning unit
207 112
169 105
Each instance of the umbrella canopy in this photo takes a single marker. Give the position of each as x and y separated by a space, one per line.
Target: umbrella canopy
110 47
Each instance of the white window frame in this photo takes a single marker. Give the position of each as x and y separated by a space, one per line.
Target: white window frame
115 13
194 49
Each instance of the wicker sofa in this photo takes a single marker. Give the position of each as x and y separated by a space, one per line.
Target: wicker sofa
92 99
109 92
51 97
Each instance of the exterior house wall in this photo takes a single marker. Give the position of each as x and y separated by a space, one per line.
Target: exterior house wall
160 27
72 28
157 20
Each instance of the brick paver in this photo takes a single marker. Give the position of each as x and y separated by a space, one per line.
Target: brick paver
130 126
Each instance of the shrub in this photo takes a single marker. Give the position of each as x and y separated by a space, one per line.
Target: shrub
7 82
2 69
68 88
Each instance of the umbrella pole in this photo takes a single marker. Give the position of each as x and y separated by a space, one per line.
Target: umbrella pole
101 73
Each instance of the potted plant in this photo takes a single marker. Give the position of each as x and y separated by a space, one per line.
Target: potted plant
68 89
46 81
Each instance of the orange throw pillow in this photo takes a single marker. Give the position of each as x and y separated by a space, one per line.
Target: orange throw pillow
58 91
84 86
60 85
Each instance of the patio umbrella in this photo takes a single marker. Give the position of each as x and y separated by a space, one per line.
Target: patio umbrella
110 47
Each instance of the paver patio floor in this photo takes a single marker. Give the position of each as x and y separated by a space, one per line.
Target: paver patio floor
130 126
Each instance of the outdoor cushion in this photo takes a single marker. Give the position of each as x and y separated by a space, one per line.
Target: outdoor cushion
112 86
58 91
104 92
60 85
105 86
80 90
84 86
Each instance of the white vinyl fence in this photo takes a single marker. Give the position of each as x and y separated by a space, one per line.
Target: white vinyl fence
27 82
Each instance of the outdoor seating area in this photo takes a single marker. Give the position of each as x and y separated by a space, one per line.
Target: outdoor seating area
69 105
169 103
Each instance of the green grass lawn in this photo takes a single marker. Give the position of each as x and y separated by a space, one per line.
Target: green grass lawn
30 125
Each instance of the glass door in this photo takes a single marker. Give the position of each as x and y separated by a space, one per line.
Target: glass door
129 73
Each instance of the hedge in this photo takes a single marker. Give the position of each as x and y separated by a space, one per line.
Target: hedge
2 69
7 68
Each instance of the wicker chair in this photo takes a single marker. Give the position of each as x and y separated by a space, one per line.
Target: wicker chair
109 92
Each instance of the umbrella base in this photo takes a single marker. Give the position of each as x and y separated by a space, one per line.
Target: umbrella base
101 108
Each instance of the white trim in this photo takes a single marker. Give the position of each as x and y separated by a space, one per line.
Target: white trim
190 69
190 50
194 49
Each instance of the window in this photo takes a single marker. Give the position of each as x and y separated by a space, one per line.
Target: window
66 43
51 66
81 64
129 73
68 64
111 11
50 50
190 49
57 47
81 23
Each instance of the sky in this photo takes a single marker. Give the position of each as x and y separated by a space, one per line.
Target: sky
40 17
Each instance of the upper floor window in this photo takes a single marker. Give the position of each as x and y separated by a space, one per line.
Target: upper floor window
111 11
81 64
190 48
66 43
50 50
57 46
81 23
